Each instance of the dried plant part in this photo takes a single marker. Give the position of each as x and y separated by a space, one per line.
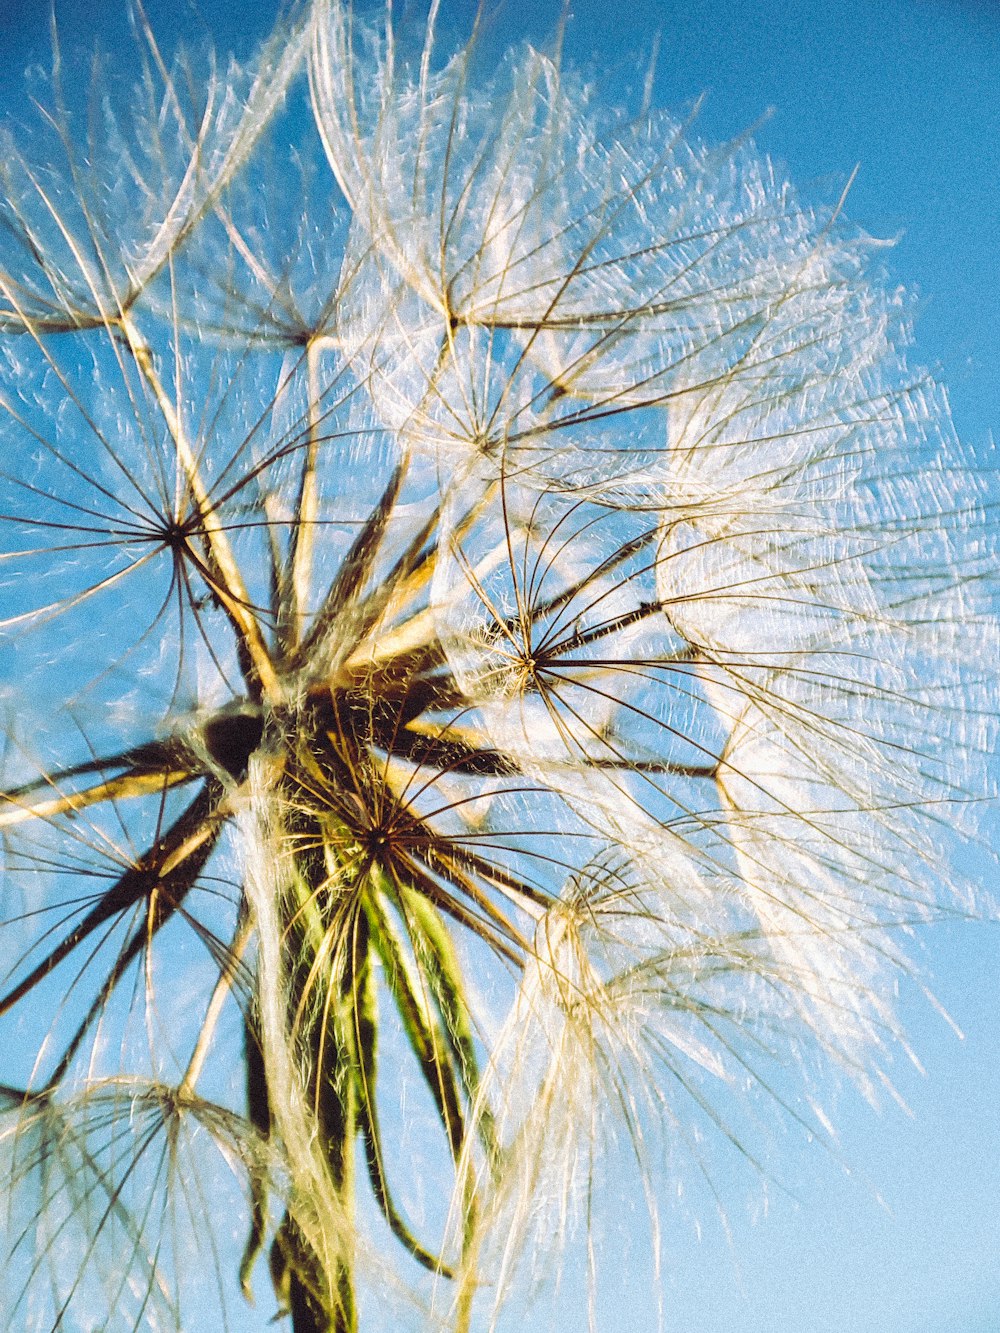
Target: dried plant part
500 654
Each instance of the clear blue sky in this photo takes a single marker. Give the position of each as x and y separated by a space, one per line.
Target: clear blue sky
908 90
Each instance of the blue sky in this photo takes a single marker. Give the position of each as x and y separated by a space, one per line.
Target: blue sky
909 91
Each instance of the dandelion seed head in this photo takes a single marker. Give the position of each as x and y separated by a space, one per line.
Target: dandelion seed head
508 632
